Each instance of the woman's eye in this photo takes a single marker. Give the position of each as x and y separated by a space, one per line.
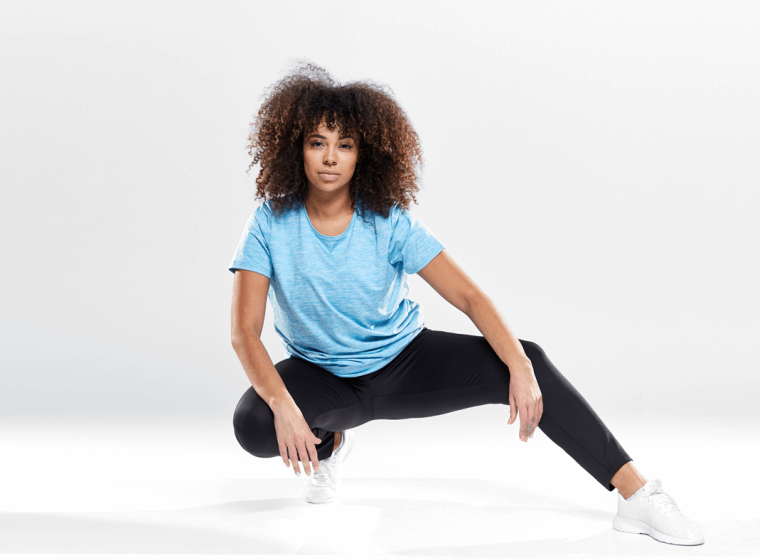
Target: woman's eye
318 143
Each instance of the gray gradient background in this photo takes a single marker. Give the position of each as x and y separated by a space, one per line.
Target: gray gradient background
593 166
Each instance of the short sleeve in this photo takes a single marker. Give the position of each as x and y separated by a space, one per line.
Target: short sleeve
412 243
252 252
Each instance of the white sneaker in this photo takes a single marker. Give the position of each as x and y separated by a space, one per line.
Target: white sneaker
653 512
325 483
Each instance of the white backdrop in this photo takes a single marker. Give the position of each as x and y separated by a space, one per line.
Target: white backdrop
593 166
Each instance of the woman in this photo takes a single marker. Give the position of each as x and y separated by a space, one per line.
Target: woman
331 246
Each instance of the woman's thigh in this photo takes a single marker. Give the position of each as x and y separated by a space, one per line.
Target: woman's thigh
437 373
326 401
440 372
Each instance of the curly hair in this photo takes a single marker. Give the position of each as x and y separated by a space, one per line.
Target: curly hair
389 158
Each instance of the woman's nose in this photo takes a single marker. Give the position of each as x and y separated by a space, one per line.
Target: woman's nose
330 156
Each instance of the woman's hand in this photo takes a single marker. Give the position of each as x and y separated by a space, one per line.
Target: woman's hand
525 397
294 437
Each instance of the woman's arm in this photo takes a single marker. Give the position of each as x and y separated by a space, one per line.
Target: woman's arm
249 300
451 282
447 278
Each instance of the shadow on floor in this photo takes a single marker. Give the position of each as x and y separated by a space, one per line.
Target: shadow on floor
460 518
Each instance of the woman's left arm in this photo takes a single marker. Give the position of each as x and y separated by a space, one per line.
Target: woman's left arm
447 278
524 393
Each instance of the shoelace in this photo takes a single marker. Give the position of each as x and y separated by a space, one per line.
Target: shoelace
663 500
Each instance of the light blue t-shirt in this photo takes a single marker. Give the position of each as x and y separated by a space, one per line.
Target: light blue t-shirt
339 301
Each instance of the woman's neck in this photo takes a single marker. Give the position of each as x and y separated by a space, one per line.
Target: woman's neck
328 209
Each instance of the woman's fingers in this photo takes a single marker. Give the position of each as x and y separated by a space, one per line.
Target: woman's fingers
308 451
524 423
539 413
294 458
530 416
284 453
528 420
313 455
304 458
526 400
296 453
527 423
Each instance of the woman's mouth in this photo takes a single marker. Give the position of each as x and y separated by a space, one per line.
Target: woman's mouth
329 176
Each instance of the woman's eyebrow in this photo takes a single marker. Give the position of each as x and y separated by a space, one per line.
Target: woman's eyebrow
325 138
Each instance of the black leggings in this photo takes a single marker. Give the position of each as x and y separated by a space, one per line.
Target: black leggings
436 373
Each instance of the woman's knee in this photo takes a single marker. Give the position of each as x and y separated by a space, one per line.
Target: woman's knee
253 423
532 350
538 359
548 376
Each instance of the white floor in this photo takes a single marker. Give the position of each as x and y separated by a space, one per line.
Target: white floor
460 485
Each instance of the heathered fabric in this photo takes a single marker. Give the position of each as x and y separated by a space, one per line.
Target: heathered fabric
339 302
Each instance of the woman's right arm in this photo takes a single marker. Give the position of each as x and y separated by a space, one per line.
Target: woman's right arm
249 295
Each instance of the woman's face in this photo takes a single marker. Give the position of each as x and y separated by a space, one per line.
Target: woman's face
328 159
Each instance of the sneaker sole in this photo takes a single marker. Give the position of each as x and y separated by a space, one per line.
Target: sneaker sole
315 502
635 526
335 497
